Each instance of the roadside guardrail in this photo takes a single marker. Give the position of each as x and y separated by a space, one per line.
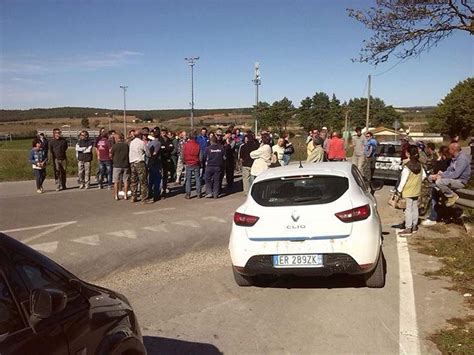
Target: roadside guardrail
466 198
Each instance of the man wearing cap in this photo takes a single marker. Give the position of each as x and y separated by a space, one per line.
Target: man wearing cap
315 150
358 145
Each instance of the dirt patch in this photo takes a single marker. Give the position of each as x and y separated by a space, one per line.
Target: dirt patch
455 250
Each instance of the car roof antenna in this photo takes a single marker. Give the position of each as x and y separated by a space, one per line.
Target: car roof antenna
301 164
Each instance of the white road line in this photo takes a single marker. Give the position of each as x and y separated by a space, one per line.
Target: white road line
89 240
39 227
409 341
156 210
159 228
50 247
214 219
131 234
188 223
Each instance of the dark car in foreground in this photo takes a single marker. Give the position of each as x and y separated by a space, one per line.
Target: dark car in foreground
44 309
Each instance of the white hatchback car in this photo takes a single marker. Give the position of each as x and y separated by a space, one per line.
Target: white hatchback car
320 219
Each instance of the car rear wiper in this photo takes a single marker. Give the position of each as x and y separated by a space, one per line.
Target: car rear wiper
306 199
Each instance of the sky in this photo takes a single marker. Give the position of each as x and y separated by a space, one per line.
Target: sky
79 53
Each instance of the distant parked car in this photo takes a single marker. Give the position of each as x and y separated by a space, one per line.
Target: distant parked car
44 309
317 220
388 162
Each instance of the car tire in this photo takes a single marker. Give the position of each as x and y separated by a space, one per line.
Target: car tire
376 278
242 280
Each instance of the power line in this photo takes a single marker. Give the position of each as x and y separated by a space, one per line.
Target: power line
392 67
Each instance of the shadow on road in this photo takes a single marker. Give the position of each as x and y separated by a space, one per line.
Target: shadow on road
159 345
338 281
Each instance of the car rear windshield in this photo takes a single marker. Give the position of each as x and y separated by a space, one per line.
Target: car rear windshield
299 190
389 150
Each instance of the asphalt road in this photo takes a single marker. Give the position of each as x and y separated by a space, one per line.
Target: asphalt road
171 260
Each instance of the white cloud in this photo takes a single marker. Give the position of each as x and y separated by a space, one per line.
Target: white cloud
26 81
35 65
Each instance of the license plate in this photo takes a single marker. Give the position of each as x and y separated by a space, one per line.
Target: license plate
383 166
306 260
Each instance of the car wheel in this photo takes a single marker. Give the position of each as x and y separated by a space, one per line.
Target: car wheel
242 280
376 278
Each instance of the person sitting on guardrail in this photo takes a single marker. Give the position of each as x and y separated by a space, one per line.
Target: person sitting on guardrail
456 176
439 165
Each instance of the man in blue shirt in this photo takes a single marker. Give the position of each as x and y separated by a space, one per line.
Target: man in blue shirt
203 141
369 152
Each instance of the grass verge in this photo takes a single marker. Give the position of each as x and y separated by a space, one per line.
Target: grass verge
457 256
14 164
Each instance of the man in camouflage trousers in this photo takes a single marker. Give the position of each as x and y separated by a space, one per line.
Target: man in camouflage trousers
138 171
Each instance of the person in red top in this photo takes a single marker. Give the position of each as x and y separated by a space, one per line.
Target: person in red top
192 157
336 148
102 149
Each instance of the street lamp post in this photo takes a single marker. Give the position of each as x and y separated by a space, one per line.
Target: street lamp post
191 62
346 127
124 88
110 120
257 82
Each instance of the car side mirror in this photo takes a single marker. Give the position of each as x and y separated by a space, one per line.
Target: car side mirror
46 302
376 185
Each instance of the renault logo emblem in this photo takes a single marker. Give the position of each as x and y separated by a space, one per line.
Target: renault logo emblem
295 216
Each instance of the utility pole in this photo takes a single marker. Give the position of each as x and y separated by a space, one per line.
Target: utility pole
124 88
346 127
257 81
191 62
368 108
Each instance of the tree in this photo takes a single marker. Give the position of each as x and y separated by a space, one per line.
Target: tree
455 113
277 116
380 114
408 28
336 120
319 111
85 123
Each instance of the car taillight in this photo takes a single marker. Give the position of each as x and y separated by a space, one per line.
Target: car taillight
355 214
244 220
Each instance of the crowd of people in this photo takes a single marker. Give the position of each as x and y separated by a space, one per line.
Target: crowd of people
146 161
323 146
433 175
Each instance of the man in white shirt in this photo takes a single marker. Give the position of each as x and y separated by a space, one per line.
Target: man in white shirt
138 171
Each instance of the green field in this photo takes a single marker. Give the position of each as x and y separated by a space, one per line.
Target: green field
14 164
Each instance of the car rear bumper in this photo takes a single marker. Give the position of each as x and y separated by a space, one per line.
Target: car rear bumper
386 174
337 263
